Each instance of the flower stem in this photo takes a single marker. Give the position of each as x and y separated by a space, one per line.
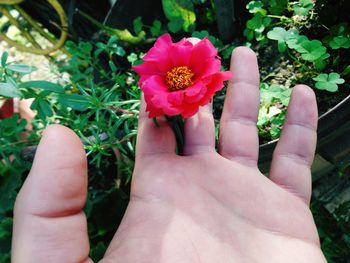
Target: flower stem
177 124
155 121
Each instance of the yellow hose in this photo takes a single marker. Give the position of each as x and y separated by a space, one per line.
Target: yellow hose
35 49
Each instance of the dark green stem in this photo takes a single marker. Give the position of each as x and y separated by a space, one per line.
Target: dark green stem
177 124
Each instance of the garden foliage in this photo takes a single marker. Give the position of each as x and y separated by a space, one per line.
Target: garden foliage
100 101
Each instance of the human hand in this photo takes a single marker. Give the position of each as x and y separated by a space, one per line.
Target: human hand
202 207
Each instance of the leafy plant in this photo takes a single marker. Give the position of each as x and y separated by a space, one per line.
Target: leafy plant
328 82
312 50
180 14
99 99
303 7
282 36
256 26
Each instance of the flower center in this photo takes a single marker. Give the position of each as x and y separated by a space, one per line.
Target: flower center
179 78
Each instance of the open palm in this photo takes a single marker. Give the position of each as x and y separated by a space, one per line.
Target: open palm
201 207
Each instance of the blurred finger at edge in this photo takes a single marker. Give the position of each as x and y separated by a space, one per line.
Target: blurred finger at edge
48 209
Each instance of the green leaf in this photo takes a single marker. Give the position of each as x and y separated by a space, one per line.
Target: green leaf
180 10
328 81
257 24
9 90
5 239
204 33
282 36
5 227
74 101
277 7
42 84
249 34
274 93
112 66
137 23
303 7
45 108
340 42
20 68
311 50
320 64
346 71
175 25
132 57
8 186
335 78
256 7
4 57
294 43
156 28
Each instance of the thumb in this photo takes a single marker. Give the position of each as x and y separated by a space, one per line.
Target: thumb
49 224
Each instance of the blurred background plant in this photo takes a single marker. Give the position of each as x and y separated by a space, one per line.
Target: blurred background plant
87 84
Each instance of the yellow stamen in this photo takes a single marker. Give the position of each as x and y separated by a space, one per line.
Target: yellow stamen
179 78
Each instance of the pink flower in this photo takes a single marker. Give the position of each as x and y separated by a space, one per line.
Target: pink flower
178 78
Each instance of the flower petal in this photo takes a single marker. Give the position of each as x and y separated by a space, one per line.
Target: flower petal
204 49
203 58
161 100
176 97
154 84
195 93
190 110
180 54
159 49
157 53
203 68
216 84
217 80
147 68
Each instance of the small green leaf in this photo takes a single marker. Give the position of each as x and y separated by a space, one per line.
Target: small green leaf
74 101
112 66
20 68
294 43
42 84
312 50
256 7
45 108
179 11
137 23
175 25
340 42
335 78
8 186
132 57
346 71
282 36
5 239
204 33
156 28
277 6
328 81
303 7
249 34
9 90
320 64
4 59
